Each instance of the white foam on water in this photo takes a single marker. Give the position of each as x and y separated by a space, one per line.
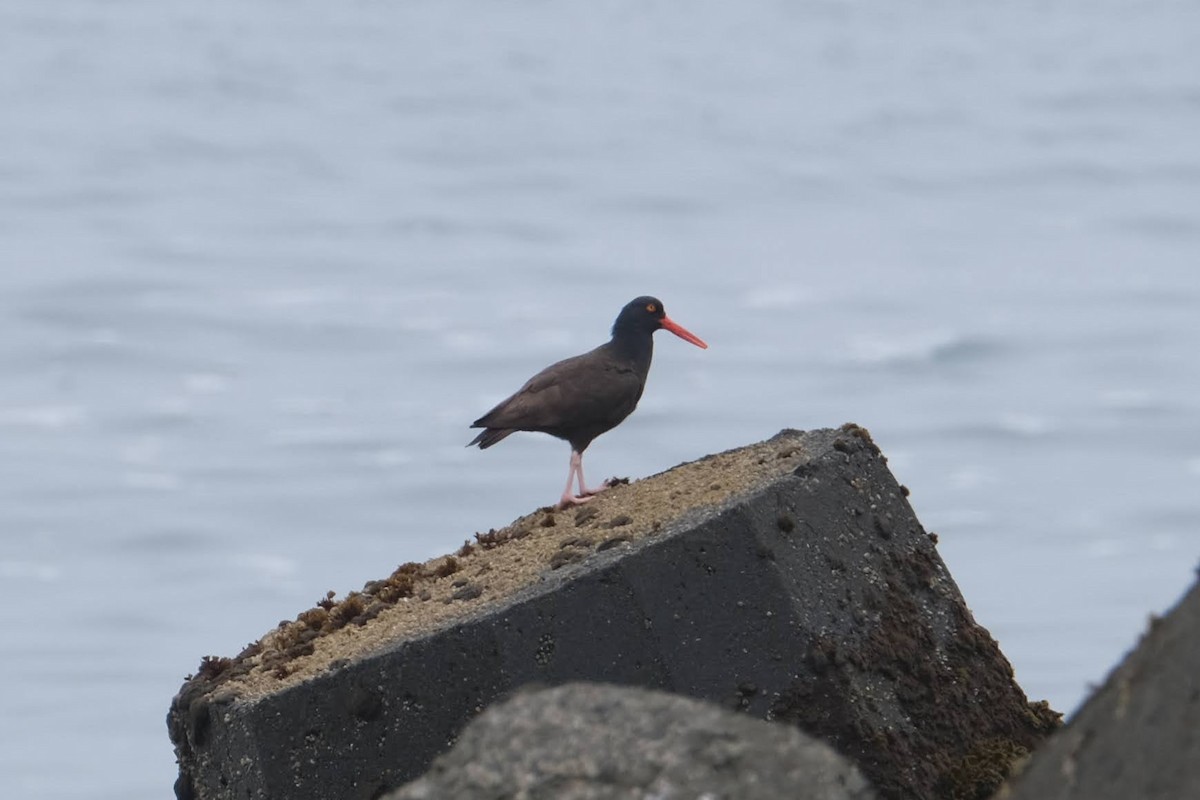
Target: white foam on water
31 571
1025 424
777 297
152 480
47 418
922 347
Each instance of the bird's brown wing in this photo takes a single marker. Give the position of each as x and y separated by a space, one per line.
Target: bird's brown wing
584 391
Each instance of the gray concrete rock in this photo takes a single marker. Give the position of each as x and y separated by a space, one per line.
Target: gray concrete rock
599 742
1138 736
789 580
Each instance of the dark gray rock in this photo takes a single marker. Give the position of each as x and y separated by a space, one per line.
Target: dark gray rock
813 598
597 742
1138 736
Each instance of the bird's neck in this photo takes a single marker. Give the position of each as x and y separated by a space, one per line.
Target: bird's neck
637 350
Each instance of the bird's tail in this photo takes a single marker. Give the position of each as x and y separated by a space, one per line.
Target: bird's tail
489 436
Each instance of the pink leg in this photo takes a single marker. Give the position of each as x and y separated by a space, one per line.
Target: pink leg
568 499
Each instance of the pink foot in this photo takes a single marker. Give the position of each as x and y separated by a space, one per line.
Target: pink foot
568 500
589 492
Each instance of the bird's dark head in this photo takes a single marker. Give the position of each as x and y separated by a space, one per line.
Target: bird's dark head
644 315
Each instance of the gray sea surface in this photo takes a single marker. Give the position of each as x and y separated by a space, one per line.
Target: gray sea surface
262 263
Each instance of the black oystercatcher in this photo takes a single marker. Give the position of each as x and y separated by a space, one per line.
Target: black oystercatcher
580 398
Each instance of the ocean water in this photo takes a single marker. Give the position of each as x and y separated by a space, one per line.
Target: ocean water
262 263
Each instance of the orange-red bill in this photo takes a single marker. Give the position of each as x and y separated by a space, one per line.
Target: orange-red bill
682 332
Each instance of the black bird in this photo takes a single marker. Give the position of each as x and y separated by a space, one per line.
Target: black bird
579 398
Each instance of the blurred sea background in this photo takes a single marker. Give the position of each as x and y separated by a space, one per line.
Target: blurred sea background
262 263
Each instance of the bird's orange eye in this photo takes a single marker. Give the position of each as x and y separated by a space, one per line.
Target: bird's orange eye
651 308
